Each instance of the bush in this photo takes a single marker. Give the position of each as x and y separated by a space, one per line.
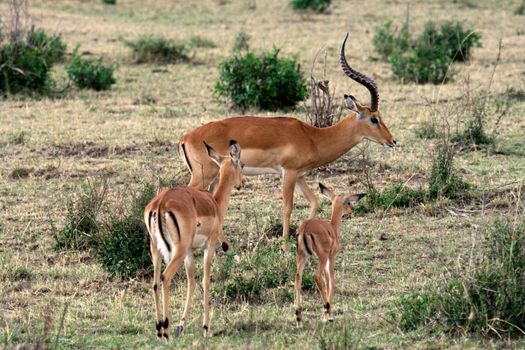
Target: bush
157 49
124 249
444 179
488 298
90 74
520 10
387 40
426 59
109 2
314 5
25 63
257 272
80 231
397 195
266 81
199 41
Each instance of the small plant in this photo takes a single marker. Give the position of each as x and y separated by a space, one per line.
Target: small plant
109 2
90 74
427 131
520 10
157 49
313 5
20 173
266 81
52 45
489 298
242 42
199 41
397 195
19 138
81 229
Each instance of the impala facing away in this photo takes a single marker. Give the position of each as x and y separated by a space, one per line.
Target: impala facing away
322 239
286 146
182 219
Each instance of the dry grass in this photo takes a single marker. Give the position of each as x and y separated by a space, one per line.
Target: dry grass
130 133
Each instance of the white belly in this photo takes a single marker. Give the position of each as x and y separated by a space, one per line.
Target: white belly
251 171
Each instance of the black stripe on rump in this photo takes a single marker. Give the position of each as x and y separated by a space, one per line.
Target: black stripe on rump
172 216
186 157
150 216
159 224
308 249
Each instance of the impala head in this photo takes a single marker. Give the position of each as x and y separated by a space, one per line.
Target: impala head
229 164
372 126
346 201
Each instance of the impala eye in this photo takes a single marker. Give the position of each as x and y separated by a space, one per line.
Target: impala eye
374 120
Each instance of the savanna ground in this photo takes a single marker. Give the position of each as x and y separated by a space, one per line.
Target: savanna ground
129 134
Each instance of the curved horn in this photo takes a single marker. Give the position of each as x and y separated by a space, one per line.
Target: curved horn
359 77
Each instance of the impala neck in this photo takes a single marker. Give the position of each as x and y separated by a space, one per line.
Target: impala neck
336 140
223 190
337 215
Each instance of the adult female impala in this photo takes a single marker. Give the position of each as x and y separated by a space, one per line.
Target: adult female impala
182 219
286 146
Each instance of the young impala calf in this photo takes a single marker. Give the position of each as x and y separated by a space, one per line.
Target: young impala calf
322 239
182 219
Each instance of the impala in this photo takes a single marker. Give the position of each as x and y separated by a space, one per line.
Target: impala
286 146
182 219
321 238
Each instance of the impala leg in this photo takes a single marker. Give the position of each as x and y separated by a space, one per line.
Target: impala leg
208 257
330 276
157 263
301 259
289 180
171 269
203 172
319 281
189 264
309 195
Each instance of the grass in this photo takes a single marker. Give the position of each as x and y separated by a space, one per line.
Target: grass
88 134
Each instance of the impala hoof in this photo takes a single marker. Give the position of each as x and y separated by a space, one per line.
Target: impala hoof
178 330
225 247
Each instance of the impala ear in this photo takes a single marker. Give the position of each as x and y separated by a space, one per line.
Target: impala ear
349 102
235 150
216 157
326 192
355 198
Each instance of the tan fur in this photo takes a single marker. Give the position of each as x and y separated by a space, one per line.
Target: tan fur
321 238
199 216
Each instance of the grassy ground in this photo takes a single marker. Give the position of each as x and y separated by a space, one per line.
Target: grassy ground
129 135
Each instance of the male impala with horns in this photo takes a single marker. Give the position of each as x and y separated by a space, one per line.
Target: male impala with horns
286 146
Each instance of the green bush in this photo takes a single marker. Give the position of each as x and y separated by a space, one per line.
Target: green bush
81 229
199 41
109 2
90 74
25 63
397 195
444 179
388 40
124 247
157 49
520 10
266 81
428 57
257 272
314 5
487 299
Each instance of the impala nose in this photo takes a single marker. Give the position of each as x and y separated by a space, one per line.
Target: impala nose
394 141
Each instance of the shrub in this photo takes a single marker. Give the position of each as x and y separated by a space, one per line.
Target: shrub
314 5
81 228
109 2
488 298
157 49
266 81
256 272
397 195
124 248
444 179
25 63
427 58
242 42
520 10
387 40
20 173
427 131
90 74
